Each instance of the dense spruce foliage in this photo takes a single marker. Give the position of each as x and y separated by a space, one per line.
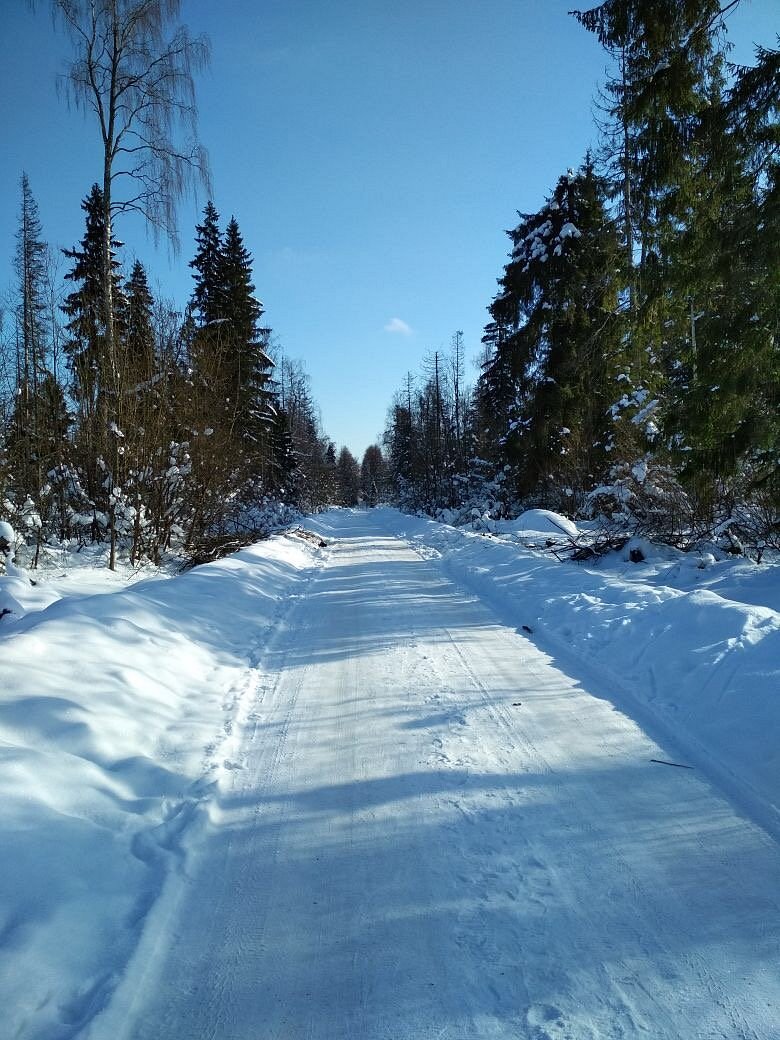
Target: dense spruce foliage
631 366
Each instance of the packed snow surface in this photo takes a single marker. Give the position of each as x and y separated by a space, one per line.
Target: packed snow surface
416 783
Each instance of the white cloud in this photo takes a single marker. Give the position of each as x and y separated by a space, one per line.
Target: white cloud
399 326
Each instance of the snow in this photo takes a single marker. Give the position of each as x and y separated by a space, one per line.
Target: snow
410 783
570 230
645 413
539 524
116 712
7 532
694 651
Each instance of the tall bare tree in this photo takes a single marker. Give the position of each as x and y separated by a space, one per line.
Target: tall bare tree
133 70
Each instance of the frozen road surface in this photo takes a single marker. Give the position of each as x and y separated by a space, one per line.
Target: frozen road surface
433 830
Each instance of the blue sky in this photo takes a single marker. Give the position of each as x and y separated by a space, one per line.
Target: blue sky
373 153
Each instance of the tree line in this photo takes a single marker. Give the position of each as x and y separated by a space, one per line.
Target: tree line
631 364
182 429
126 420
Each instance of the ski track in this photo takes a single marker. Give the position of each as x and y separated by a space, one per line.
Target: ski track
429 832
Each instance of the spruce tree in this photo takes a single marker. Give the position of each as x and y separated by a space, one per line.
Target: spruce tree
28 432
348 477
94 374
372 475
726 405
138 353
207 296
560 343
668 60
246 366
495 396
330 475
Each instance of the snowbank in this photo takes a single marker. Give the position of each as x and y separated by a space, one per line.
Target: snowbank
109 707
539 524
688 646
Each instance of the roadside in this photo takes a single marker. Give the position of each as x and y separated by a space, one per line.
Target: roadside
119 711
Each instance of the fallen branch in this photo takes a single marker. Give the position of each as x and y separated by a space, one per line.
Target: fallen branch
309 536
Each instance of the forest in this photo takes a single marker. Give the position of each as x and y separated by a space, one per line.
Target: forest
128 419
630 368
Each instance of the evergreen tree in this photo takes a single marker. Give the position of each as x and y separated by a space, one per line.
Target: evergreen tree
719 347
29 433
246 441
284 462
330 475
372 475
137 81
495 396
697 160
751 264
229 351
207 297
138 354
94 375
669 59
348 477
560 340
246 365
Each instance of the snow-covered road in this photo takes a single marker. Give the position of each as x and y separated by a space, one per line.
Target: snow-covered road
431 831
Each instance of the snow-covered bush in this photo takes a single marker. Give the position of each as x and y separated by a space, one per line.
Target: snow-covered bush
7 544
648 500
750 525
482 498
645 499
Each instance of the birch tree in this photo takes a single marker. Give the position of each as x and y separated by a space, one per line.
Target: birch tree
133 71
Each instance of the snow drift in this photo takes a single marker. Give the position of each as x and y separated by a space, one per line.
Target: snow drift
117 714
